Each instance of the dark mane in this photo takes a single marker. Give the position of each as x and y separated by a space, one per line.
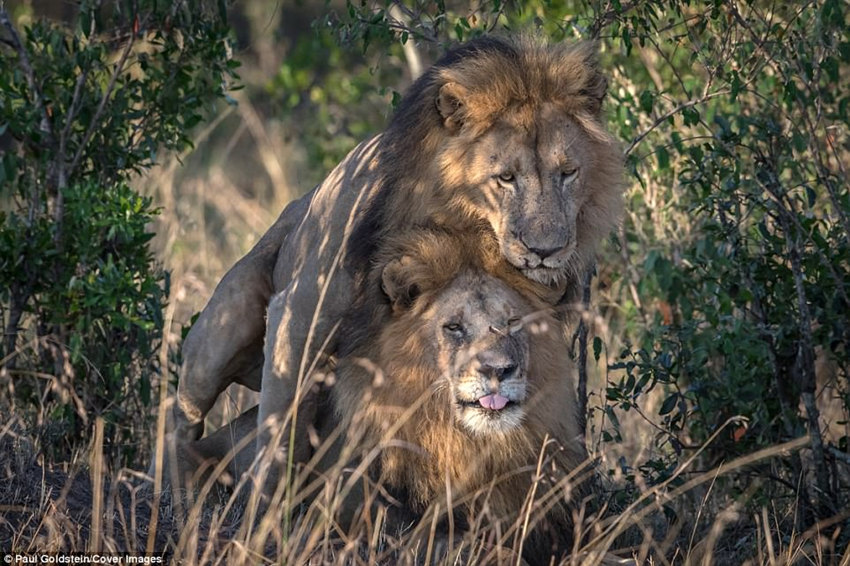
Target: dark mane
495 76
413 119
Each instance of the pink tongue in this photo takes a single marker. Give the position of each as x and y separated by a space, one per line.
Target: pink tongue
494 402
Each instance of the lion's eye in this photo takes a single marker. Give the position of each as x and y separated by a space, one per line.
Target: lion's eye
507 177
568 175
514 325
453 328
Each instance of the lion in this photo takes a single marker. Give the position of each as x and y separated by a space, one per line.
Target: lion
477 383
500 137
467 382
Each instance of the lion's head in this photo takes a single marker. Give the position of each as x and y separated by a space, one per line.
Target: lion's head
463 381
508 136
472 340
463 361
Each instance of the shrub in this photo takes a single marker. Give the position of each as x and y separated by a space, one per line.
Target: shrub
83 110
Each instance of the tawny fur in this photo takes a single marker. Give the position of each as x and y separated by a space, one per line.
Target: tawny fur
378 382
431 181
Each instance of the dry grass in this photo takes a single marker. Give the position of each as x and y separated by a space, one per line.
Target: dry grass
89 509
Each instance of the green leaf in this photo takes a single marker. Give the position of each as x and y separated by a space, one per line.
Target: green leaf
663 157
690 116
612 416
459 31
677 141
647 98
830 65
669 404
597 347
811 195
735 86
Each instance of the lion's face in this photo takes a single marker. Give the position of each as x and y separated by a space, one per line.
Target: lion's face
480 349
527 177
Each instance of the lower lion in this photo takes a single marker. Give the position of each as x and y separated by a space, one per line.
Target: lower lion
467 395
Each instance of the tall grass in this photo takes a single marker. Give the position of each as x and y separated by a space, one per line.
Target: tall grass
49 511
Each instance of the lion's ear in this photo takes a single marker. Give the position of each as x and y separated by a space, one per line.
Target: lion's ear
596 84
596 90
398 284
450 105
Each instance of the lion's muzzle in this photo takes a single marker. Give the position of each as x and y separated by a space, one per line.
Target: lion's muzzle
543 261
497 366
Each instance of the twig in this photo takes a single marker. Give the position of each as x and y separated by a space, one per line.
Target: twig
414 62
609 16
496 17
119 67
72 111
667 115
839 455
633 276
59 162
582 349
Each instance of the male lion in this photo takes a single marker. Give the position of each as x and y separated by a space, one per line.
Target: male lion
477 383
501 137
465 385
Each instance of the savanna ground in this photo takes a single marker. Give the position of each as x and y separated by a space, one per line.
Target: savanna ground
717 332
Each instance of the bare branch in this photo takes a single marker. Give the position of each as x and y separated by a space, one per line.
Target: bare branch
72 110
667 115
414 62
839 455
582 349
61 173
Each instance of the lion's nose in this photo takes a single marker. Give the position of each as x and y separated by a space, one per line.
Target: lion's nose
500 372
542 249
543 253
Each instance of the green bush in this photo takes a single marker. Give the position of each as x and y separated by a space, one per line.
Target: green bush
744 236
82 111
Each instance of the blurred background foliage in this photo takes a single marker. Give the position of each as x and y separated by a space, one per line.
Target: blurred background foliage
719 316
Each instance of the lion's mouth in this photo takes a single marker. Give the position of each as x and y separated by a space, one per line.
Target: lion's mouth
550 276
492 404
490 414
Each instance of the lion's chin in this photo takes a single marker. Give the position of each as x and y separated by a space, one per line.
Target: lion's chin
480 421
549 276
